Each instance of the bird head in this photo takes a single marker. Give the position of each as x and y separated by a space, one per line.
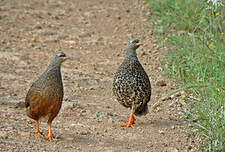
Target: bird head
59 58
133 44
131 47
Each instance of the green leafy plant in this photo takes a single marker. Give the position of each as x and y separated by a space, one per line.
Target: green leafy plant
193 30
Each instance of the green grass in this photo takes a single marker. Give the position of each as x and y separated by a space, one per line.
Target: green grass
196 57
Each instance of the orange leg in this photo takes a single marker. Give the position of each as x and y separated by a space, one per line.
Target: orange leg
130 122
49 137
37 129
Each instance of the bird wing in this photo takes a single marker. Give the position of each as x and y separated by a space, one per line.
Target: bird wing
133 82
33 91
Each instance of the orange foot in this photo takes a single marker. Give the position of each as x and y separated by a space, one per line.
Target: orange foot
37 130
39 133
50 138
130 122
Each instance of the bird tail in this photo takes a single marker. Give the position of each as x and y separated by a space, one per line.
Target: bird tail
142 110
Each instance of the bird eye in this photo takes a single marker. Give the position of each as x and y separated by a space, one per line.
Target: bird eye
62 55
135 41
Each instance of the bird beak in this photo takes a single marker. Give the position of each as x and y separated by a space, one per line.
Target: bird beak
139 44
65 58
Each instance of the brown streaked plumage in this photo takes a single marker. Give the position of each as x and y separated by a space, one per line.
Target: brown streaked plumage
131 84
45 96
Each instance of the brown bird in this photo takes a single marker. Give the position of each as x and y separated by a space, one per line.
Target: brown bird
131 84
45 96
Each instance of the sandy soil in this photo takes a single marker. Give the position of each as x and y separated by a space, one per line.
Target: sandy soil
93 33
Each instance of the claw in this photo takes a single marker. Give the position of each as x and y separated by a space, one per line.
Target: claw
39 133
127 125
130 122
50 138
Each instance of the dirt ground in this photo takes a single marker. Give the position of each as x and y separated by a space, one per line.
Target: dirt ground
93 33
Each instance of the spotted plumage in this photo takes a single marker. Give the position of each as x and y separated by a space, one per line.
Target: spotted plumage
131 84
44 98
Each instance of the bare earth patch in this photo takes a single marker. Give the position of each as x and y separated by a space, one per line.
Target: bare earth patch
93 33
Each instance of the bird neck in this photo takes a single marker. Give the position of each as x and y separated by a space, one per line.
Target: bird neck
54 64
130 53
